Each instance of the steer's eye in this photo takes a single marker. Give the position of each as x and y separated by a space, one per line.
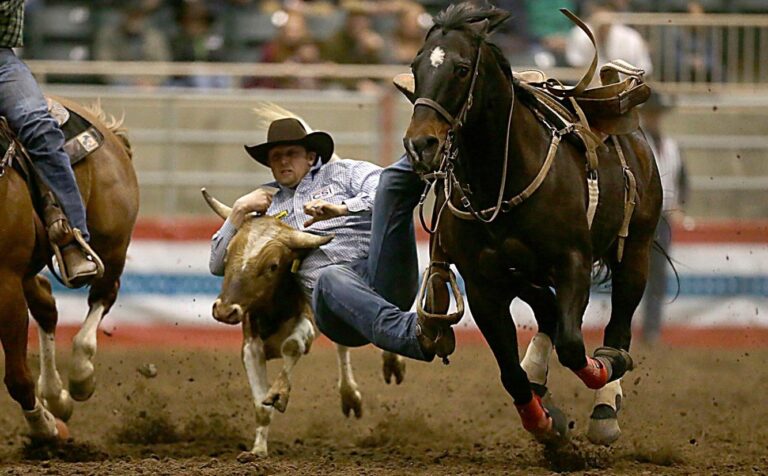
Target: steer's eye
462 71
273 268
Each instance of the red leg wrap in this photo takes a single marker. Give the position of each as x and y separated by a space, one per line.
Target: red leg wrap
594 374
535 418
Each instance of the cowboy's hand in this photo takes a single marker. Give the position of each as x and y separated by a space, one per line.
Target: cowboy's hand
257 201
320 210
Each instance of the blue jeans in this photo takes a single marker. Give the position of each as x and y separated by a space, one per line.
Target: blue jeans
367 301
23 105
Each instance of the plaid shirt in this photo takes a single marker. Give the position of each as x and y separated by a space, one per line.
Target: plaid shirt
11 23
350 182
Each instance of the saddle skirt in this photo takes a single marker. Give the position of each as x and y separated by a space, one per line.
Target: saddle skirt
80 136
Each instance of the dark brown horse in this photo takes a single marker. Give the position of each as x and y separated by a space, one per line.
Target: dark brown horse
473 120
109 188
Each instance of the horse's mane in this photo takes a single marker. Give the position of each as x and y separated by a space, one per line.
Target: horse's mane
112 123
460 16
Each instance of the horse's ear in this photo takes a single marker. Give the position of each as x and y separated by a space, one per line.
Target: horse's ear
406 83
480 28
498 20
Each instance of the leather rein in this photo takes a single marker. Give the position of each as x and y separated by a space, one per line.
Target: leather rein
450 154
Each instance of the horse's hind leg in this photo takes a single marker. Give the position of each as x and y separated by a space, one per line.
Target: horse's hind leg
103 293
491 313
18 380
628 284
42 305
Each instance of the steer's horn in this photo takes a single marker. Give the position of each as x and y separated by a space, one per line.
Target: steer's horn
221 210
296 240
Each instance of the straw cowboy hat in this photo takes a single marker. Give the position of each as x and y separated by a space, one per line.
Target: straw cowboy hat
290 131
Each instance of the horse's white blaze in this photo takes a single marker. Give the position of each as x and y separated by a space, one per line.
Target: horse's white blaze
84 345
436 57
536 360
255 363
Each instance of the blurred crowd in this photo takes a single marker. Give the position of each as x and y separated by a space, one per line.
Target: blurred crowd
321 31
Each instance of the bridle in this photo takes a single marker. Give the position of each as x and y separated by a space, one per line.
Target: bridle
449 160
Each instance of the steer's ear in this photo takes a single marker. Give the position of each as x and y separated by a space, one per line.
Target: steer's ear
298 240
221 210
407 85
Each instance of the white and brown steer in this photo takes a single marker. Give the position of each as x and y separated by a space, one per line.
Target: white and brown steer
260 291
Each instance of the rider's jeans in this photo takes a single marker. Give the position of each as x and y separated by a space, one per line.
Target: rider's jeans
367 301
23 105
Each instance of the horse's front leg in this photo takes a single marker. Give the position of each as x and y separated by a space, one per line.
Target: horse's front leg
572 282
491 313
296 345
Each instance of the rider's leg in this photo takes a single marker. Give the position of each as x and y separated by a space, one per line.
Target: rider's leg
23 105
393 238
347 309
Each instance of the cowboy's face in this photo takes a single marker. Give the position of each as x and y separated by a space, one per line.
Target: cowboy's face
290 163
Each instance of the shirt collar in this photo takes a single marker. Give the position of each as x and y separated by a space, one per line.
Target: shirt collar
310 176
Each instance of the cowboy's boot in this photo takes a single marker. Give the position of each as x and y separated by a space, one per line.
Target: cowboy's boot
435 338
78 263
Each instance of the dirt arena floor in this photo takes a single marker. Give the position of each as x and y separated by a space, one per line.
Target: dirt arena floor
688 411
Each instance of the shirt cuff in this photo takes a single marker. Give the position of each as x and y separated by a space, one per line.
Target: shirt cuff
227 231
356 205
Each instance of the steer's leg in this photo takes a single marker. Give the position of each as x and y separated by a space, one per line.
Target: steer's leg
255 362
296 345
351 400
393 365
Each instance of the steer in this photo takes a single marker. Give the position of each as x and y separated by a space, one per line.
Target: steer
261 291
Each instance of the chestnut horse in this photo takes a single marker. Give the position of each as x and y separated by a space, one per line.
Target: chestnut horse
479 133
110 193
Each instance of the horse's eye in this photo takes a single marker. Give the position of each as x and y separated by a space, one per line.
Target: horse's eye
462 71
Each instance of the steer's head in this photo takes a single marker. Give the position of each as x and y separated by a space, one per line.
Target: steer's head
259 258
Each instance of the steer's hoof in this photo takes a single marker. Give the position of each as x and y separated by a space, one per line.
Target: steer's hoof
352 401
251 456
603 426
82 390
277 400
393 366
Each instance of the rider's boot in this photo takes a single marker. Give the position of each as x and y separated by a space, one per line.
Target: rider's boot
435 338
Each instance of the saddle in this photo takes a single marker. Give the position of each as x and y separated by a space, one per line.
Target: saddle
81 139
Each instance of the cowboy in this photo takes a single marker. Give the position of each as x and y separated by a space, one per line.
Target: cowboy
364 280
24 107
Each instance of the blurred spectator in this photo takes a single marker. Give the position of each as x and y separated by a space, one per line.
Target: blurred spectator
614 41
694 48
196 41
357 42
412 26
293 43
549 29
132 39
674 186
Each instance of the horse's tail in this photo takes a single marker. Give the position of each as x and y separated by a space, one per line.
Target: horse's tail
112 123
268 112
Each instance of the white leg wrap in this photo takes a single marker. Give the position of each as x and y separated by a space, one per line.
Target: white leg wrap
42 425
607 395
536 360
84 345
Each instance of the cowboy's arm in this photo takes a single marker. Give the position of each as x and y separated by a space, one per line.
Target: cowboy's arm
219 243
362 187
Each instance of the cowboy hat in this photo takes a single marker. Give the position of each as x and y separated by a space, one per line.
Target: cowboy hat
290 131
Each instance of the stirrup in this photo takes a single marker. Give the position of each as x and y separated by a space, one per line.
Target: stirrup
64 274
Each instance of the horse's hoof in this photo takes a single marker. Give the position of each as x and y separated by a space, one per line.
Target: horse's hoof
619 360
559 431
393 365
352 402
278 401
82 390
603 426
62 407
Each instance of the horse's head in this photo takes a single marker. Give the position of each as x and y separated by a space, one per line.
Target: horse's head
446 79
